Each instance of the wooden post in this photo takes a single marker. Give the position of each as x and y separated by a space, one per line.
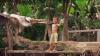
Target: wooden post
9 36
46 31
98 36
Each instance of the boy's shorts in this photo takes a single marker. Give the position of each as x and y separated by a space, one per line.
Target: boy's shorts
53 38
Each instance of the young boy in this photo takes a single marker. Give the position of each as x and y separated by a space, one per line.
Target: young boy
54 35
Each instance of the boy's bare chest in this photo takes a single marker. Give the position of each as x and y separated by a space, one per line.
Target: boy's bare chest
54 25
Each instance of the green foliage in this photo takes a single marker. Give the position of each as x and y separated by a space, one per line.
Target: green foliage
1 43
24 9
35 32
1 37
86 22
1 6
96 23
72 10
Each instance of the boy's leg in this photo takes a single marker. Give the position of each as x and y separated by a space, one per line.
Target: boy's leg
55 41
54 46
51 42
51 47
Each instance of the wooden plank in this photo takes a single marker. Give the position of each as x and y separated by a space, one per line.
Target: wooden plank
91 30
98 36
31 51
42 21
97 5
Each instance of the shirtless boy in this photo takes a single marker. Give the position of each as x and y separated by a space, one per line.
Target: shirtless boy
54 35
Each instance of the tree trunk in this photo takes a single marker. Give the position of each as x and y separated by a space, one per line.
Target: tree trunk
65 14
48 26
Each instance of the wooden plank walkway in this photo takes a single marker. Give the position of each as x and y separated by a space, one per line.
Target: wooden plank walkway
52 53
88 44
31 51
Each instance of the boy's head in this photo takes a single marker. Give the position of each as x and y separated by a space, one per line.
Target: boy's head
55 19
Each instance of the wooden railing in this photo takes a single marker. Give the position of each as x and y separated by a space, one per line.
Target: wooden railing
91 30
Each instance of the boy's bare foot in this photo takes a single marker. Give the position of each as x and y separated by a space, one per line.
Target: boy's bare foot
48 50
54 50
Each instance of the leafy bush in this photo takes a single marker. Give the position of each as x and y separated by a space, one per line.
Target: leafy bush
34 32
24 9
96 23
